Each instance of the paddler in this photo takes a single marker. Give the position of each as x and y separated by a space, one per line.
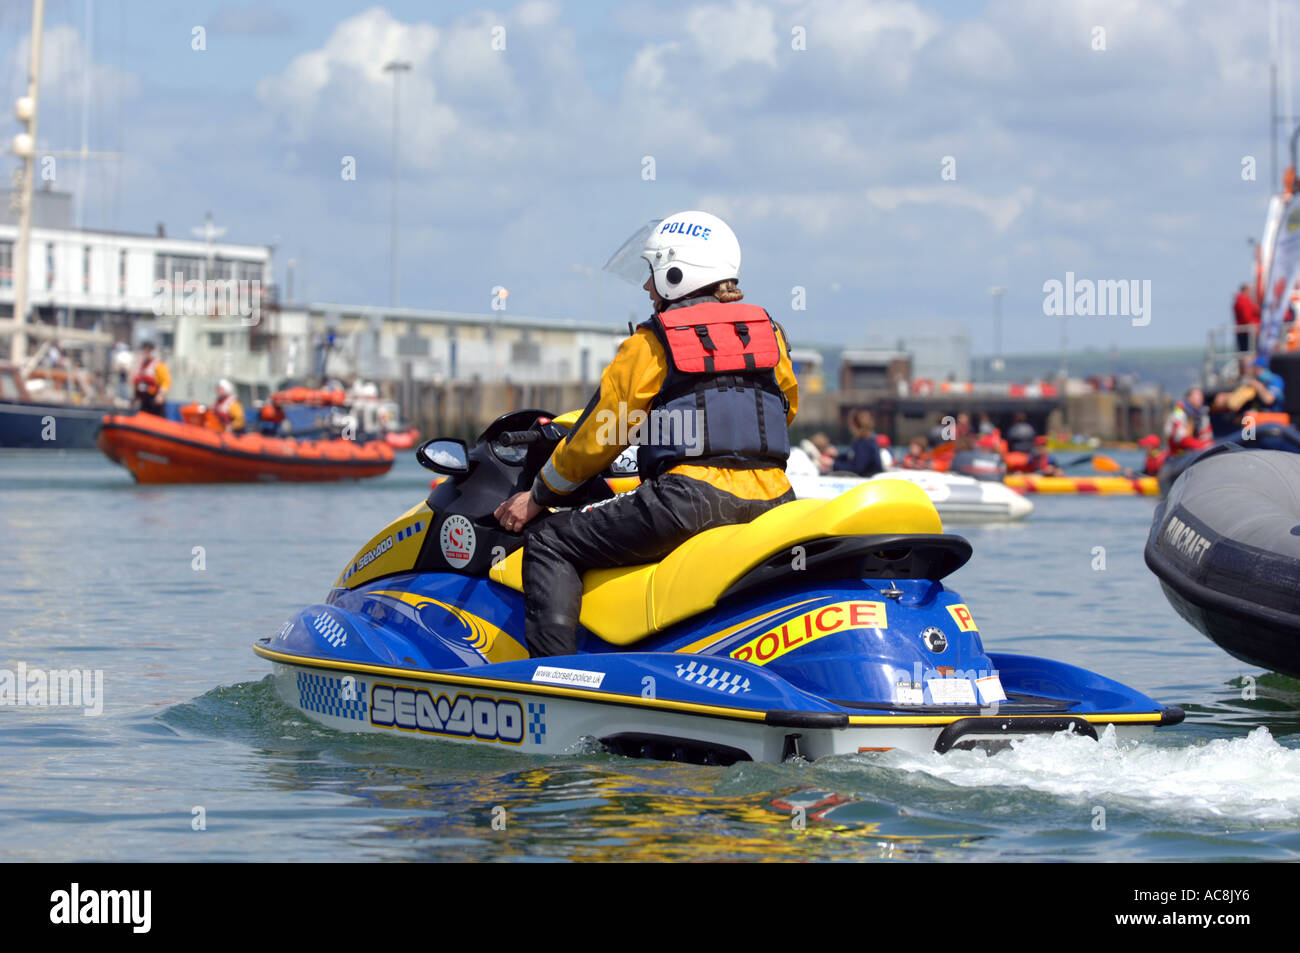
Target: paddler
1156 455
720 367
151 382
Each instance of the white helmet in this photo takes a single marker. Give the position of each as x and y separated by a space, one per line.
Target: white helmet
686 252
225 388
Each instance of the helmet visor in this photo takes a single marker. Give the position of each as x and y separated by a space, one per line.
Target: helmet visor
627 262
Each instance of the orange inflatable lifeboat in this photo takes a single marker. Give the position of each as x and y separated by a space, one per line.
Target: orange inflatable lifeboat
158 450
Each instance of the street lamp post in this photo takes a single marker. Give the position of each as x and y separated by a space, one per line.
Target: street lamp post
997 292
397 68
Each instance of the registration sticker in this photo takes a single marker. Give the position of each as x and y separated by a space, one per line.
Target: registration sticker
951 691
909 693
990 689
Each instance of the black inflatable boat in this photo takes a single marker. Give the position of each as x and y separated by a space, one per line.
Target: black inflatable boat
1267 436
1225 544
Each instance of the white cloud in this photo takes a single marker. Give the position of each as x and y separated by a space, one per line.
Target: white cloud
63 69
743 32
1001 211
342 91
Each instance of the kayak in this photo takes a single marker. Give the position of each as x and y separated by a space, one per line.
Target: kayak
158 450
1094 486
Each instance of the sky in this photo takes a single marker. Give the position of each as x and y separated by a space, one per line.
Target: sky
894 160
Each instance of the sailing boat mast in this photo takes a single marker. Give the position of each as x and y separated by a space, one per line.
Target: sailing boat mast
25 148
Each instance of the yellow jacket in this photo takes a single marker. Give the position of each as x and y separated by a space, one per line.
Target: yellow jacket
630 383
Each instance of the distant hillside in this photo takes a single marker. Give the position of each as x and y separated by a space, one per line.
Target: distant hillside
1174 369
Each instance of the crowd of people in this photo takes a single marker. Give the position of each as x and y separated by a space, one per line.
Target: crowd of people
870 452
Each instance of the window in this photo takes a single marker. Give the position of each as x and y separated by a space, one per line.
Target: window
525 351
121 272
6 264
175 269
49 266
216 339
85 269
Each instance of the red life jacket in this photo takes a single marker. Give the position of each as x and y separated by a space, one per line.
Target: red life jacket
145 383
714 338
222 409
720 403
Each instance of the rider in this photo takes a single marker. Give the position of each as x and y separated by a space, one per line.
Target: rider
151 382
228 410
717 373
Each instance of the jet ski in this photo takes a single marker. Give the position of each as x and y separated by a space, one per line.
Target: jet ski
820 628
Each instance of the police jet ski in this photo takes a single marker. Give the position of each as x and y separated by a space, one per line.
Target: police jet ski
820 628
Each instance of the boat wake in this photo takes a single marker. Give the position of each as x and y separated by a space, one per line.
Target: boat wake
1253 779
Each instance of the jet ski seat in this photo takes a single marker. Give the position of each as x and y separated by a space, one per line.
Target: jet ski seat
629 603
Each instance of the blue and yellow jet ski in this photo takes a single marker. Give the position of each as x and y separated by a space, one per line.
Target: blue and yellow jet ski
822 627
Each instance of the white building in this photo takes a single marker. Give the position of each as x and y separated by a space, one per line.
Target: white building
112 286
107 283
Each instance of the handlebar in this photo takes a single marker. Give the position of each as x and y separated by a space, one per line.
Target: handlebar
517 438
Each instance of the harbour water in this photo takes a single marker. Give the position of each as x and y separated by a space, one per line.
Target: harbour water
193 758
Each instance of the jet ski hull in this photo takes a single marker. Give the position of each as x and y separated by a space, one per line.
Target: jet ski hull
543 719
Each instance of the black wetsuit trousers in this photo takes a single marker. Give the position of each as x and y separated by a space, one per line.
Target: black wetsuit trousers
642 526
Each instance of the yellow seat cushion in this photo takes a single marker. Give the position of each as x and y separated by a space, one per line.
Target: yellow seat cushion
626 604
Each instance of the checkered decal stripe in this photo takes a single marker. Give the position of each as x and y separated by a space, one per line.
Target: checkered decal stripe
414 528
331 631
713 677
537 721
331 696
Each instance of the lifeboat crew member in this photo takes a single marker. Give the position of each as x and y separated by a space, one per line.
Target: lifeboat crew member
270 417
228 410
151 382
716 375
1188 425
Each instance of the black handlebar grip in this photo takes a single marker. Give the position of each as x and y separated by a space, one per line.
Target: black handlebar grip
515 438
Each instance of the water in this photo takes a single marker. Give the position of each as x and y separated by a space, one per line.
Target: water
101 574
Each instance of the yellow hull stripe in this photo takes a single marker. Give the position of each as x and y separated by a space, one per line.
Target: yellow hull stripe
701 644
717 711
1128 719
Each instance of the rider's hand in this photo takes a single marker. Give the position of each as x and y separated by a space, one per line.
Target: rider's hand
516 513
